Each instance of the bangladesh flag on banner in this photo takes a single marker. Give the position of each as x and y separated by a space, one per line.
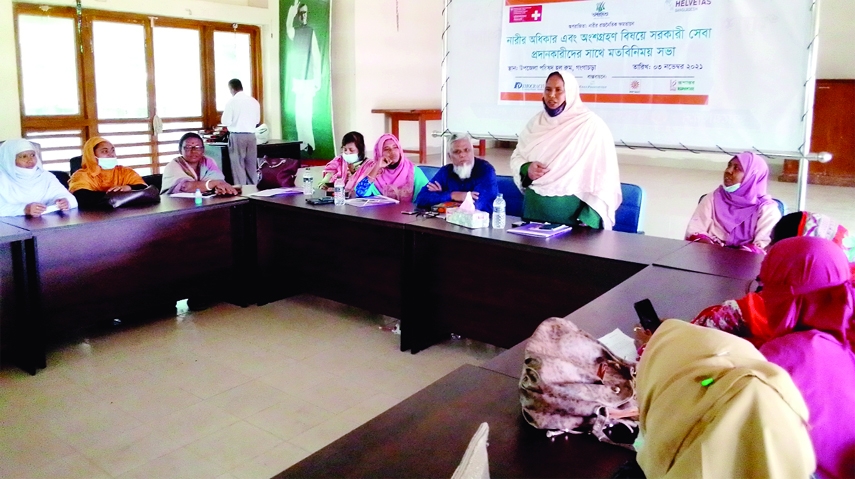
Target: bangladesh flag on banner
304 57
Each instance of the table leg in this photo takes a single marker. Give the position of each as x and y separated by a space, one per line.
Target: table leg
422 139
394 120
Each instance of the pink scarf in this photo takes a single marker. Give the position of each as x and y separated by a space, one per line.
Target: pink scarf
397 183
809 300
737 212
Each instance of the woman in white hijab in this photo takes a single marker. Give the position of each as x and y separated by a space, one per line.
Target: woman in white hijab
565 161
25 187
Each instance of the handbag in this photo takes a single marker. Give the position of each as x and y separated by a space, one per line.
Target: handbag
277 172
146 196
571 383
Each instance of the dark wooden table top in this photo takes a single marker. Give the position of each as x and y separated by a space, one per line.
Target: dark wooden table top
710 259
390 214
9 233
427 434
674 293
78 217
633 248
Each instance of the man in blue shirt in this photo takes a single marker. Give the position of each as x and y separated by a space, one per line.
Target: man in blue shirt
465 174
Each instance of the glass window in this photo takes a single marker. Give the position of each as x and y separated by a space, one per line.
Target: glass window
177 72
120 70
123 127
232 59
48 56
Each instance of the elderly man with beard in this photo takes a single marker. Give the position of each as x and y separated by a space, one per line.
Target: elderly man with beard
465 174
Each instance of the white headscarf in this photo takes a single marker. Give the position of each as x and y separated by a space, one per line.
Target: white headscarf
17 190
579 151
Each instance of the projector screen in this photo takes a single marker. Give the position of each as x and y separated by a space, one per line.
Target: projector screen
701 74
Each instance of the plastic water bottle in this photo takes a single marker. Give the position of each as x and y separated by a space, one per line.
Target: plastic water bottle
197 196
308 180
499 212
338 192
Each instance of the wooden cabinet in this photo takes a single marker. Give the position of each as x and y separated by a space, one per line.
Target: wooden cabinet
833 131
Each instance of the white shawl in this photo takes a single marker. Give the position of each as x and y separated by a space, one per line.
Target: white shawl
17 191
579 151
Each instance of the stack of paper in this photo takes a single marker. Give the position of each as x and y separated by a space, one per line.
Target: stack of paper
540 230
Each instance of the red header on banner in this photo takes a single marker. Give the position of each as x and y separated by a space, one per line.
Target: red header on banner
532 13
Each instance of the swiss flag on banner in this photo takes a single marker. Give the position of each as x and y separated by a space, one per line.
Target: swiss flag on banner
529 13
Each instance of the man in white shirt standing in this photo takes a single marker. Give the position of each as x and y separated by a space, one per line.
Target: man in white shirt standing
241 115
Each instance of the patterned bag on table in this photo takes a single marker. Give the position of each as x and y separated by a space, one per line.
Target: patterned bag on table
571 383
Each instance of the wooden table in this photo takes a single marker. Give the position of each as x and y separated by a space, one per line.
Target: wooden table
16 318
94 266
711 259
421 116
496 287
426 435
674 293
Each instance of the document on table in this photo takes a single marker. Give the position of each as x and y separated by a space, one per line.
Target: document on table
372 201
291 190
620 344
50 209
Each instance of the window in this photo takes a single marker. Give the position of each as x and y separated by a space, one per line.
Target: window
132 75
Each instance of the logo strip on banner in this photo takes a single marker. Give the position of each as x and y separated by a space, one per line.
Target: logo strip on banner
640 52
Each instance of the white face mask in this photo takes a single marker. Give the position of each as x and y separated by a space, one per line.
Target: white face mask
731 188
463 171
350 158
25 172
107 163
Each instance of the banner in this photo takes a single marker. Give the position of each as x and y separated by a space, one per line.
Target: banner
649 52
304 56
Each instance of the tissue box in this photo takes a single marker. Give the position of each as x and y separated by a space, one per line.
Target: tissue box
478 219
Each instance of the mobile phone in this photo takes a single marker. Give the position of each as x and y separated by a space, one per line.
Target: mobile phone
326 200
647 315
549 226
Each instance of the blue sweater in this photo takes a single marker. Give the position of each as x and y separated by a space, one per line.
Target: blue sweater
482 180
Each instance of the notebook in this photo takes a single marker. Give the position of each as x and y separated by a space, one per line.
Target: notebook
540 230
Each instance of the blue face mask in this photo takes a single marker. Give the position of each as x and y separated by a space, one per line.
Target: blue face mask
107 163
554 112
731 188
350 158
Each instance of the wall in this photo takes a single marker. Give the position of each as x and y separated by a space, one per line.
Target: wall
836 40
378 65
261 14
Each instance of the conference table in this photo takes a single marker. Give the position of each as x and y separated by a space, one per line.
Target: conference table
15 246
436 277
440 419
90 267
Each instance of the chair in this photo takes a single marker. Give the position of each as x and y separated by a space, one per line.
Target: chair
512 195
155 180
74 164
782 207
62 176
628 214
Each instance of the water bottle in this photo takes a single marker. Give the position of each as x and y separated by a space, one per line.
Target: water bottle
197 196
308 186
499 213
338 192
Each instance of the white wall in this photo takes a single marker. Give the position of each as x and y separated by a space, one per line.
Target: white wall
836 39
230 11
378 65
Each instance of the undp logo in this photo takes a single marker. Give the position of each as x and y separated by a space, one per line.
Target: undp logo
518 85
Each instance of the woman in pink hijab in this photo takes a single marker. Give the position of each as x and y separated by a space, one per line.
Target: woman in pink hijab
739 213
390 173
809 302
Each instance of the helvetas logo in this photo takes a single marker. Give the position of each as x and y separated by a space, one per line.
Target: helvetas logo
600 10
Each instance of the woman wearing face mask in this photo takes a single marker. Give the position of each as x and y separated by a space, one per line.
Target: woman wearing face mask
565 161
100 174
193 170
739 213
390 173
25 187
345 165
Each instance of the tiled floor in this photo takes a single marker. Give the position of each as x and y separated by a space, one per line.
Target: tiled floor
245 393
227 392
